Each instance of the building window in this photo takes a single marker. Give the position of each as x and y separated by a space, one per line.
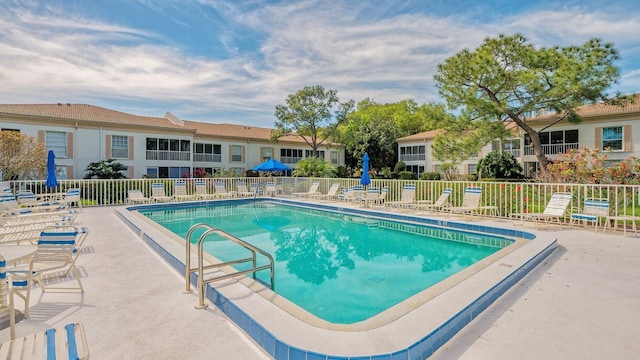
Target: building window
266 153
472 168
61 172
554 142
412 153
236 153
152 172
612 138
168 149
334 158
57 141
319 153
290 156
119 147
207 152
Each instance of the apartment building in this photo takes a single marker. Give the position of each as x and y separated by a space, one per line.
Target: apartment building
603 126
157 147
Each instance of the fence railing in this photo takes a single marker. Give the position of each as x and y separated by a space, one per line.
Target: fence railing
507 197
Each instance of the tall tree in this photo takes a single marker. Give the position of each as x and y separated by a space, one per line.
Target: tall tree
311 113
374 128
22 157
508 79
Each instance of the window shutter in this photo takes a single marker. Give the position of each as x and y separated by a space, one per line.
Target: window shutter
243 160
107 147
626 133
69 145
70 172
130 147
230 153
273 153
41 136
598 139
130 172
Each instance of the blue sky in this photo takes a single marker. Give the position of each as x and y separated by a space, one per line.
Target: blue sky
234 61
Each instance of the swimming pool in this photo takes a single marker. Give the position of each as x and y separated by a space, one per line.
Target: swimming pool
412 329
341 268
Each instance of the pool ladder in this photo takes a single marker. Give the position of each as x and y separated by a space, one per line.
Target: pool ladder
202 282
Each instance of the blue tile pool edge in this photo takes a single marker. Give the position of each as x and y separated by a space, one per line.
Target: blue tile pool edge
421 349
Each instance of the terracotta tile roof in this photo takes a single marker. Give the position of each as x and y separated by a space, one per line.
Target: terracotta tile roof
91 113
83 112
427 135
600 109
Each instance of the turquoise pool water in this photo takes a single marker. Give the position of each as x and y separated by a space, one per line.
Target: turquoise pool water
341 268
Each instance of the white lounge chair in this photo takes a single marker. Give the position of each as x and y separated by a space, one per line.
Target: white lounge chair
407 197
243 191
439 205
555 210
375 196
593 211
202 192
158 194
180 191
332 193
470 202
135 196
65 342
313 190
221 190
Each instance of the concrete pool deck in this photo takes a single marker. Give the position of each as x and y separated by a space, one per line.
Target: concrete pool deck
581 302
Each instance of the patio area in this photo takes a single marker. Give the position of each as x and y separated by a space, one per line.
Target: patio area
581 302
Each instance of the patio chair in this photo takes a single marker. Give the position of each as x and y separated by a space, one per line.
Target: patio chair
135 196
26 201
72 196
158 194
375 196
332 193
270 189
243 191
221 190
354 192
6 297
407 197
313 190
58 248
470 202
202 192
65 342
25 216
555 210
439 205
180 191
593 211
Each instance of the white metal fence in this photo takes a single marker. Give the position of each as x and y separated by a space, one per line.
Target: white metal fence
507 197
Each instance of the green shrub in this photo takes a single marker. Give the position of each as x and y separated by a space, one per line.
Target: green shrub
430 176
406 175
400 166
342 171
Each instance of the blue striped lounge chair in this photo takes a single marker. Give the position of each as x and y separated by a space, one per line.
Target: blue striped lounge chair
470 202
593 211
58 249
65 342
407 197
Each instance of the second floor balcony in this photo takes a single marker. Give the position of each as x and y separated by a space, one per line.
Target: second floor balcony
290 159
168 155
552 149
207 158
412 157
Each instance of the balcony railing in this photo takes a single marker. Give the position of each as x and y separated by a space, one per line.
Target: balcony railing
168 155
514 152
207 157
290 159
552 149
412 157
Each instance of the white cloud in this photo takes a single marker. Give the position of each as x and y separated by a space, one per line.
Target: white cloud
48 59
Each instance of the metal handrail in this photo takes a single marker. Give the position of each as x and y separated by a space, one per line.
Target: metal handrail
201 268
